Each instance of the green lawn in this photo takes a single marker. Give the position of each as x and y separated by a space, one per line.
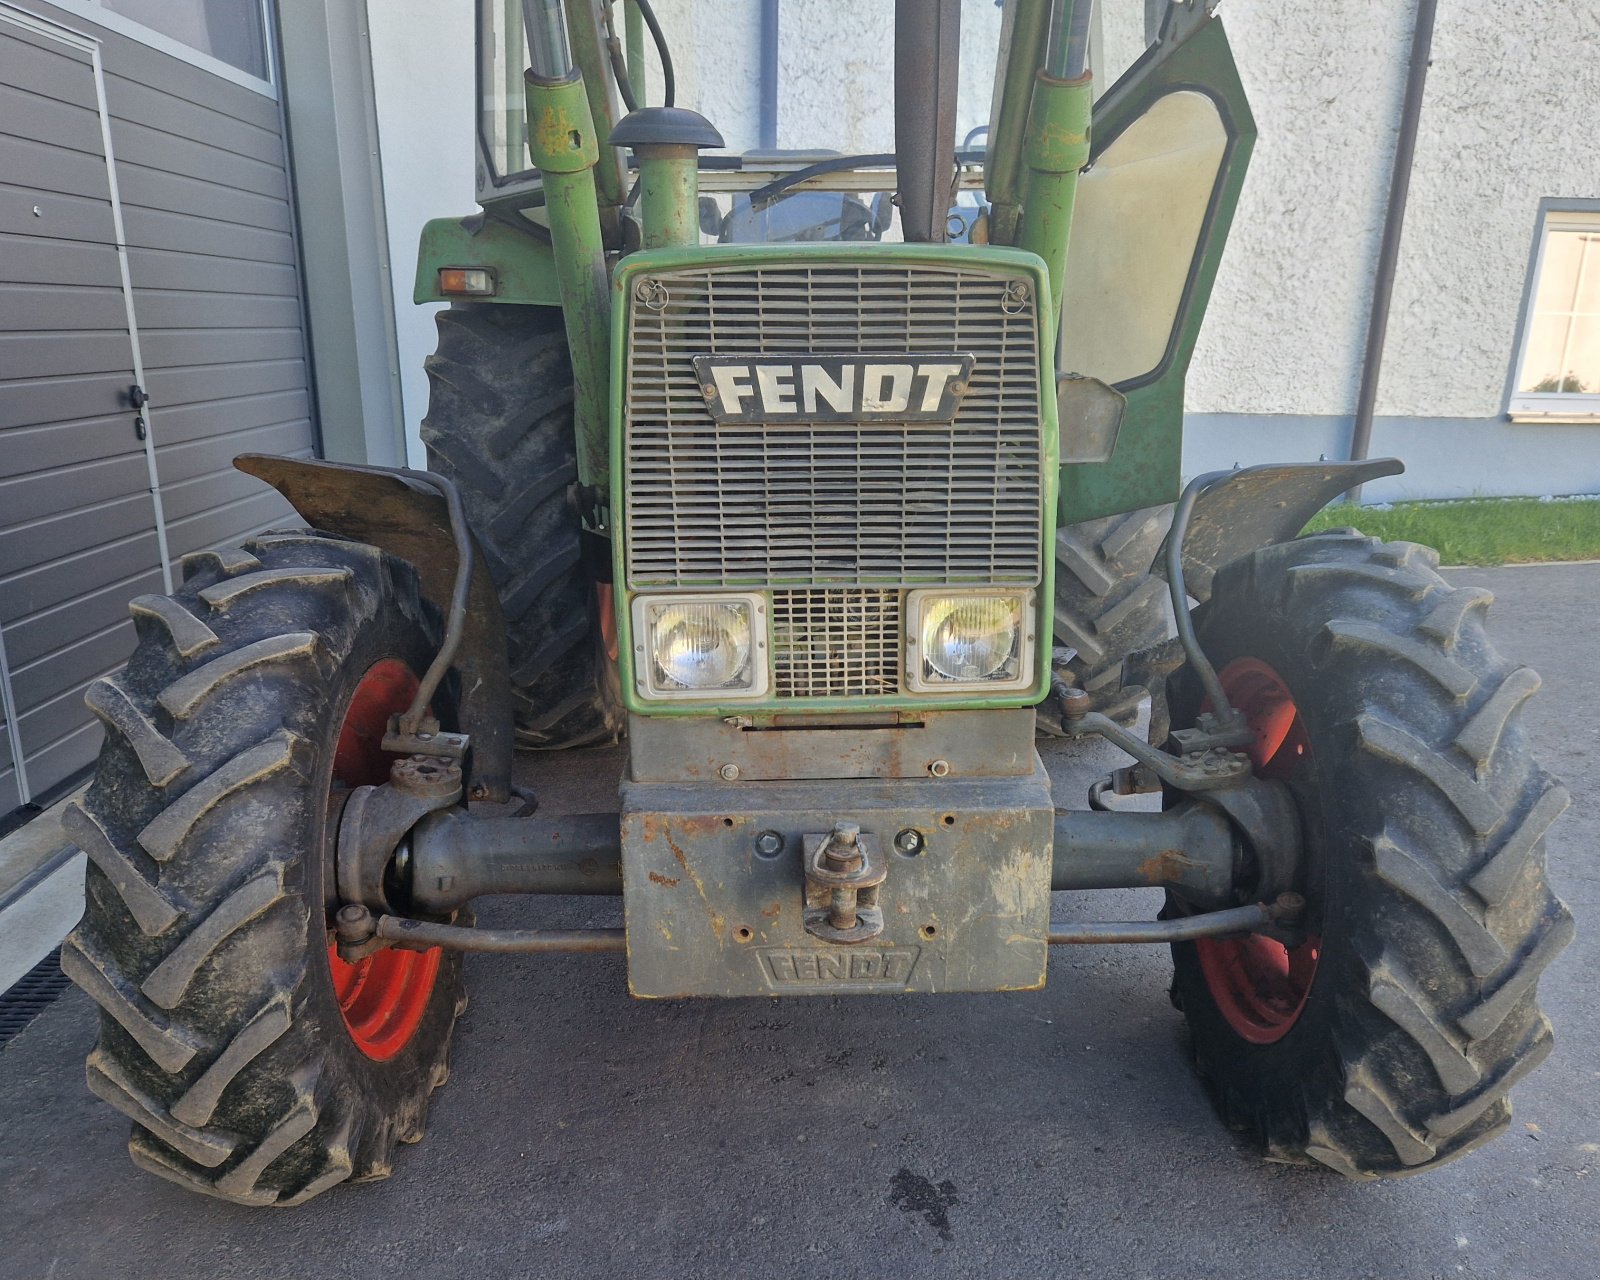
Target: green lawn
1481 530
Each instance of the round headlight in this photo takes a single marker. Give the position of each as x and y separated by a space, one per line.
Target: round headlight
971 637
701 645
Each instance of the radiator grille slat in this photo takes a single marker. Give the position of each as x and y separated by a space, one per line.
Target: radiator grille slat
835 644
873 503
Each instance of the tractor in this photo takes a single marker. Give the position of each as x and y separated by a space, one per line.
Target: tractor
825 482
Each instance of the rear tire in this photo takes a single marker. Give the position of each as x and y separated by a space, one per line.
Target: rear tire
1108 605
204 938
500 425
1424 815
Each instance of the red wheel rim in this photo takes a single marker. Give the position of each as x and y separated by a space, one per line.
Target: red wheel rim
382 998
1261 986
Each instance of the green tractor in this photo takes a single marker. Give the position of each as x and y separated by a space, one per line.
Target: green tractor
823 481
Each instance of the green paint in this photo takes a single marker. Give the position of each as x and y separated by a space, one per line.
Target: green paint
669 196
561 139
634 20
1056 147
524 267
1001 261
1146 466
1002 169
594 64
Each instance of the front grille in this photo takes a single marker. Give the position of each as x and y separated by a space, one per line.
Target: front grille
852 504
835 644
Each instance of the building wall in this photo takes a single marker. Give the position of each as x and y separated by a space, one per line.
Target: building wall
423 88
1279 362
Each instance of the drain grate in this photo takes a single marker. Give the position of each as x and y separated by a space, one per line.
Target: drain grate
33 993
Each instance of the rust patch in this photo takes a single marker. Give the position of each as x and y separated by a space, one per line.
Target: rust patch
657 878
771 910
1166 867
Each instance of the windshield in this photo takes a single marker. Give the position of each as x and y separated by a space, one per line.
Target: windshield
832 96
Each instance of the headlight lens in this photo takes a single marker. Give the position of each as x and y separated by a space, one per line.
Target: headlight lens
970 638
694 647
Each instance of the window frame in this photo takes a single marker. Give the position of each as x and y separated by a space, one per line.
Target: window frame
96 12
1574 407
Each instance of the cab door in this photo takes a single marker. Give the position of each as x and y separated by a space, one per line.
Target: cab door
1170 143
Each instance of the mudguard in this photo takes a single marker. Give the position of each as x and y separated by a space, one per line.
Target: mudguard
1257 506
522 265
387 510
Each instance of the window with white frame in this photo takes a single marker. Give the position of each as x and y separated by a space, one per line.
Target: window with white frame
1558 365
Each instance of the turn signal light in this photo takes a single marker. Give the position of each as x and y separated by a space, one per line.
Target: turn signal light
467 282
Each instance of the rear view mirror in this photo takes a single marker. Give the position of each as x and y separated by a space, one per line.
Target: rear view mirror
1090 415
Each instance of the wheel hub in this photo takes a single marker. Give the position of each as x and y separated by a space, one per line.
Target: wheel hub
382 997
1259 983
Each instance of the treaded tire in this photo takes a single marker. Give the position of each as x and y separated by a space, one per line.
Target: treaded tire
500 424
1425 819
204 936
1108 604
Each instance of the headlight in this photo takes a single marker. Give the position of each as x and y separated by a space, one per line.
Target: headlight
699 646
970 639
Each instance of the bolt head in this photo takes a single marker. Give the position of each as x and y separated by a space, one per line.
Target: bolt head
846 833
939 768
729 773
909 841
769 844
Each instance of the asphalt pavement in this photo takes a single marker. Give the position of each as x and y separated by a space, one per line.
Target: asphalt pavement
1058 1133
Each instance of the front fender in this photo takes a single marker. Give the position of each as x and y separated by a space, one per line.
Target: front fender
522 266
387 510
1258 506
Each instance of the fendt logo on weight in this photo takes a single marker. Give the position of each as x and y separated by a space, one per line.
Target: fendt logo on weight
833 388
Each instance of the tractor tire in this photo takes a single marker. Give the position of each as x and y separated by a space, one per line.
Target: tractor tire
1108 605
205 939
1386 1042
500 425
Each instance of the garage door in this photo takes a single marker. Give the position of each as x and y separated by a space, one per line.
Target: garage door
150 329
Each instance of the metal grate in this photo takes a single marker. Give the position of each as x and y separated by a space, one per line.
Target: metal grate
833 644
31 994
832 503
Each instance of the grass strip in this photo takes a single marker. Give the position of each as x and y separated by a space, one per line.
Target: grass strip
1482 531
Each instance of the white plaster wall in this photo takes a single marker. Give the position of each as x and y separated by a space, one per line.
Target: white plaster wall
423 86
835 69
1286 324
716 56
1507 119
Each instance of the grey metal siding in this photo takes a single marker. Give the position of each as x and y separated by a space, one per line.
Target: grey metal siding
202 176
